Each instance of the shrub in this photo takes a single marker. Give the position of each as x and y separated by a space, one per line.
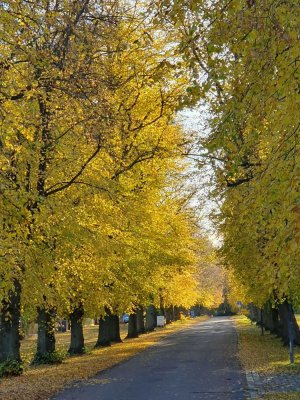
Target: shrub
55 357
11 367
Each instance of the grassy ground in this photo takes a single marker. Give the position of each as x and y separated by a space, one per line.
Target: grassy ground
281 396
28 345
265 354
41 382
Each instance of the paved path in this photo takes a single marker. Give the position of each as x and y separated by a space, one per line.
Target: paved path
198 363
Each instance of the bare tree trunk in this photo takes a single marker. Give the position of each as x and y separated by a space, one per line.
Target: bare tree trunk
169 315
132 326
275 321
77 338
271 318
161 305
262 321
115 329
46 334
105 328
176 313
9 325
284 315
252 312
140 320
150 318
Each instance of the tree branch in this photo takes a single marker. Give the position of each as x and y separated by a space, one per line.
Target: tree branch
66 185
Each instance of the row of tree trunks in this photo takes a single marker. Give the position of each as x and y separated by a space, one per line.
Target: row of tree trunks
137 325
109 328
278 320
10 327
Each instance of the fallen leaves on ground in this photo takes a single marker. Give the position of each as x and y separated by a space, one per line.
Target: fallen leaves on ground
41 382
281 396
265 354
28 345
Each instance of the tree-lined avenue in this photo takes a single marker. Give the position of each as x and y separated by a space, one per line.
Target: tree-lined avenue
196 363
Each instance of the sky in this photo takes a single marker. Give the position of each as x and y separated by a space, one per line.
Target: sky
196 121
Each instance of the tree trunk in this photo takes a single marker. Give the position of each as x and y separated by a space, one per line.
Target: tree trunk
256 315
268 321
283 310
77 338
275 321
161 305
262 324
140 320
252 312
271 318
9 325
46 332
105 329
176 313
115 329
169 315
132 327
150 318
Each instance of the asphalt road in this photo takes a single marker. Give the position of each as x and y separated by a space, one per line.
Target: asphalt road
198 363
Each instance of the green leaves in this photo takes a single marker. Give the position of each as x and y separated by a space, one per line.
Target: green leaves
11 368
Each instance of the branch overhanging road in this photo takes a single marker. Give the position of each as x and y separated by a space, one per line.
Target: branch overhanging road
198 363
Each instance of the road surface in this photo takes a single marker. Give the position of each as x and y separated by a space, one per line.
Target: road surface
198 363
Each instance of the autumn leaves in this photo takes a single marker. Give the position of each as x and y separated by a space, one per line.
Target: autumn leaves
93 204
245 59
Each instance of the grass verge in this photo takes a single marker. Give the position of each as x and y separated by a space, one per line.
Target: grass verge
28 345
265 354
41 382
281 396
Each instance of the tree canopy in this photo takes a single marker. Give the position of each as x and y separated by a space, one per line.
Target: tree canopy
95 211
